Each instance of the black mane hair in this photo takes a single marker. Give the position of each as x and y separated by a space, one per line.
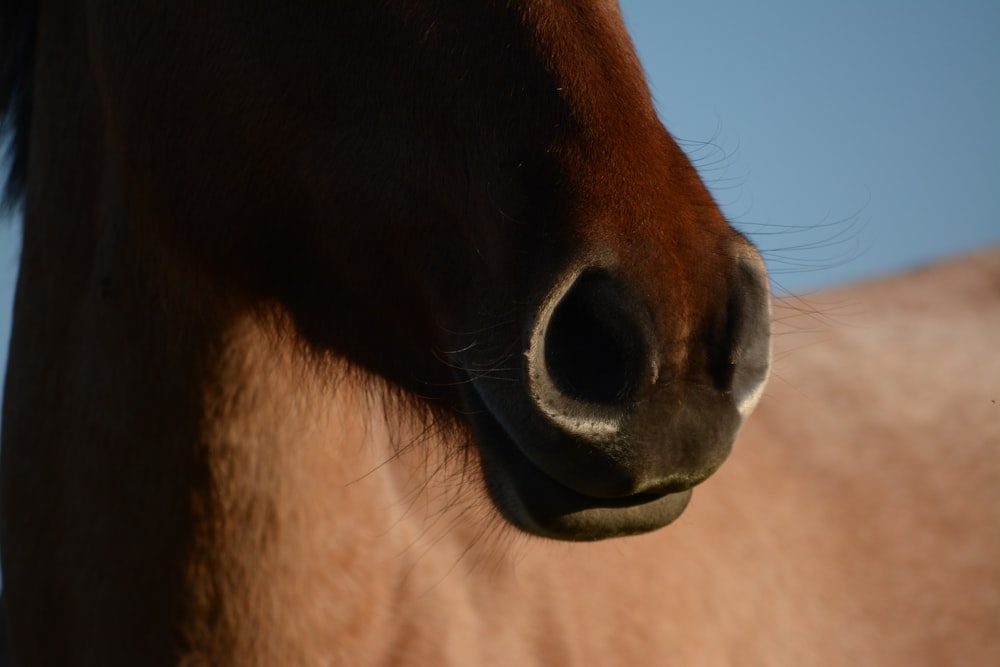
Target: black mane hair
17 63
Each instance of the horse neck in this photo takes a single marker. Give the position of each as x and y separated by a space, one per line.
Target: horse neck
209 484
238 480
296 507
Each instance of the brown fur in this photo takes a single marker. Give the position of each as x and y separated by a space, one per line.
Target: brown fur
229 437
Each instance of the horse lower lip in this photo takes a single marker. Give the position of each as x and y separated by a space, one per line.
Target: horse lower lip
638 500
555 511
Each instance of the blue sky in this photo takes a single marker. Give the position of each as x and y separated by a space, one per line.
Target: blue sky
868 129
849 139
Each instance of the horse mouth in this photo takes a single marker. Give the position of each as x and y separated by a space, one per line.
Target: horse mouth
531 500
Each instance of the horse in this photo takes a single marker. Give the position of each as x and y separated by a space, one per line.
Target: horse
392 333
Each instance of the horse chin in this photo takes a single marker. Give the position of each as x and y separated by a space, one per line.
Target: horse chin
532 501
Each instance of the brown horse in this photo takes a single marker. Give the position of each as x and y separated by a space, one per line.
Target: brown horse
322 308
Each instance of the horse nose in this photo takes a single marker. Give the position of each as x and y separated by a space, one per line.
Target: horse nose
596 345
590 353
750 344
620 417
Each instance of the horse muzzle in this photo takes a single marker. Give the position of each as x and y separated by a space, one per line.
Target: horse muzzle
602 434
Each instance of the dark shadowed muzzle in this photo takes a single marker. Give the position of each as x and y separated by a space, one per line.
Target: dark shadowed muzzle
608 426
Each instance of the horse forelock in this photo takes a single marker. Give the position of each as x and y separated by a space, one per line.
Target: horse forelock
17 57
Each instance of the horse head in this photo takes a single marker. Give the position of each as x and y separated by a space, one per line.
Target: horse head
475 201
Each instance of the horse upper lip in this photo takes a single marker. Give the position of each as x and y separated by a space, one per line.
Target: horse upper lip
513 438
531 499
508 441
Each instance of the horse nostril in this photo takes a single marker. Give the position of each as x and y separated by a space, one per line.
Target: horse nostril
594 349
750 334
